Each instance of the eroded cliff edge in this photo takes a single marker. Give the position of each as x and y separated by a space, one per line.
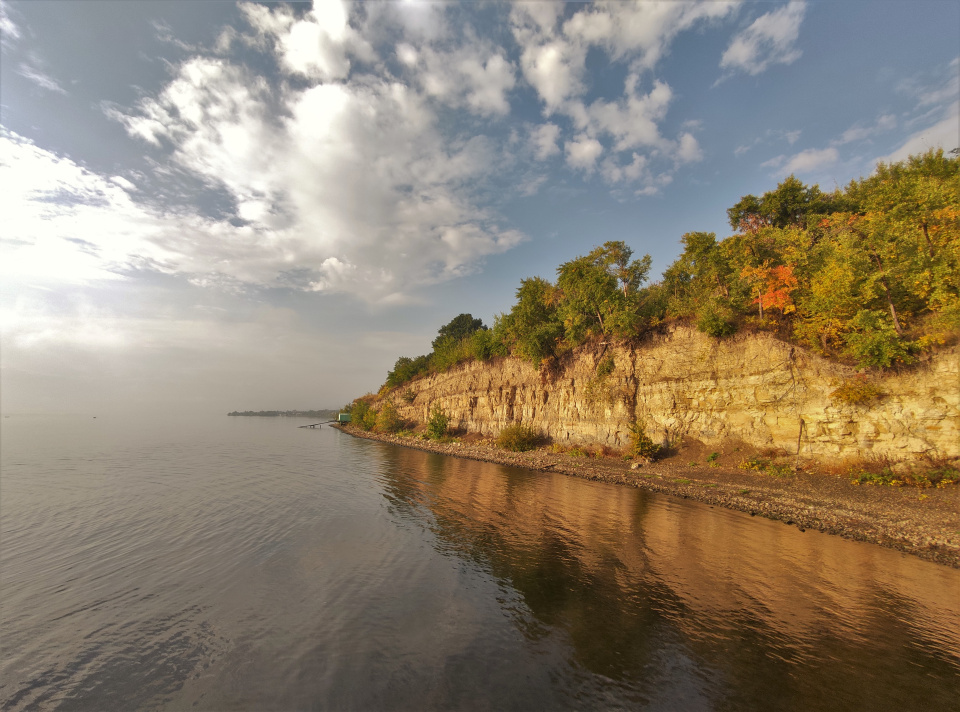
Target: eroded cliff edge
750 387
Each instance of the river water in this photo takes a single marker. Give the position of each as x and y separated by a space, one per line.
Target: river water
242 563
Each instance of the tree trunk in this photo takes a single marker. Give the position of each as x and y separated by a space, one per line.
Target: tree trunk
926 236
886 290
723 287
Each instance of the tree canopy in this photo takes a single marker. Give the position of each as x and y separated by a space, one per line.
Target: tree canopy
869 273
458 328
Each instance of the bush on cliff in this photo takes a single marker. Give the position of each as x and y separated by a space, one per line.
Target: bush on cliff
437 425
518 438
640 443
363 414
388 419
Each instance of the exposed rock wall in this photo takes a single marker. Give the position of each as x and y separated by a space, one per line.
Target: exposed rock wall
752 387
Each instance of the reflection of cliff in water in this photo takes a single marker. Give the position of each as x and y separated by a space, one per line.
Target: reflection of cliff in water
640 586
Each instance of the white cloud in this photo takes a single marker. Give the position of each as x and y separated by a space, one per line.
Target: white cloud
531 186
123 183
632 121
770 39
551 65
544 141
9 32
407 54
629 172
583 152
803 162
553 58
474 75
639 34
418 22
267 21
64 224
688 150
309 49
355 189
641 31
41 79
859 132
315 46
536 17
555 70
944 134
942 89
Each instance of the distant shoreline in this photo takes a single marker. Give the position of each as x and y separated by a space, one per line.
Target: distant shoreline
329 414
923 523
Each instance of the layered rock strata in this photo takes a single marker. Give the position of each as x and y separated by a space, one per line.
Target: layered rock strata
753 388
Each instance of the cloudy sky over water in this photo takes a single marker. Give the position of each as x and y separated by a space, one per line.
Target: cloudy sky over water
219 205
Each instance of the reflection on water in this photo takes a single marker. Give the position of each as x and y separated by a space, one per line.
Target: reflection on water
241 563
661 594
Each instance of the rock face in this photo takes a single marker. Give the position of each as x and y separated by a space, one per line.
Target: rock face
753 388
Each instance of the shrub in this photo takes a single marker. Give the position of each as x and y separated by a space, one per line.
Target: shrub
779 470
388 420
437 425
363 415
857 390
752 463
448 352
518 438
605 367
481 345
940 477
640 443
407 369
716 320
875 342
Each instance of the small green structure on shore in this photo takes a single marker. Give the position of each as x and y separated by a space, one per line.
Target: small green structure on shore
343 418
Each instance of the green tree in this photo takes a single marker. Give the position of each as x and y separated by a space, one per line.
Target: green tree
788 204
406 369
702 282
460 327
599 292
532 328
747 214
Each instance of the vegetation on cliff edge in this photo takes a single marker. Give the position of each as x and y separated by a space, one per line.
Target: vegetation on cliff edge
869 273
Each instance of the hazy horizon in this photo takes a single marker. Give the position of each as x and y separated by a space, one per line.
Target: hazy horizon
215 206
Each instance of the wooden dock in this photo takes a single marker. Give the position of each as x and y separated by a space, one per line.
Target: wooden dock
316 425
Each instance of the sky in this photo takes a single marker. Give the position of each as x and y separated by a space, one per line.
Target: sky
211 206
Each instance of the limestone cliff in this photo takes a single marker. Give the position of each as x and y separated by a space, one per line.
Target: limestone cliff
751 387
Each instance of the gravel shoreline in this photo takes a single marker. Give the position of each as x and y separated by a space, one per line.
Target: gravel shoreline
924 523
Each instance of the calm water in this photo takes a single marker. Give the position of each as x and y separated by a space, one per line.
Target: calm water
242 563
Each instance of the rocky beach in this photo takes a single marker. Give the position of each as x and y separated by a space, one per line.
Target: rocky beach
919 522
